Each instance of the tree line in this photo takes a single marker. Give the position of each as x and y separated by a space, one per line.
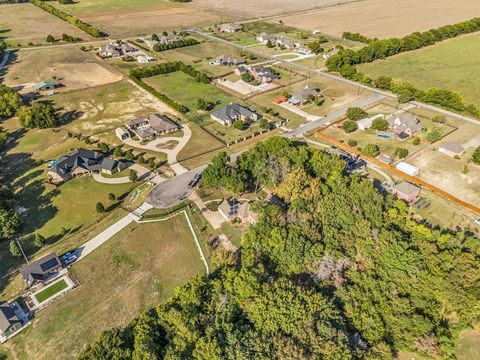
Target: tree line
333 269
176 44
89 29
139 73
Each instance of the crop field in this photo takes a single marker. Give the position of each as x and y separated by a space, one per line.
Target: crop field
144 16
384 18
24 23
118 281
448 65
95 6
254 8
70 66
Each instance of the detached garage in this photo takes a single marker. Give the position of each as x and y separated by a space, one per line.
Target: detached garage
408 169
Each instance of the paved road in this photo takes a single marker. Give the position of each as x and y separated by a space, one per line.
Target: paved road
331 117
336 77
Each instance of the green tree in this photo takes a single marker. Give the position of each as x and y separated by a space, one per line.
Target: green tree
14 249
9 223
352 143
380 124
356 113
247 77
238 124
371 150
39 115
133 176
10 101
401 153
476 156
155 37
50 39
100 208
350 126
140 159
112 197
39 240
264 124
270 44
118 152
384 83
104 148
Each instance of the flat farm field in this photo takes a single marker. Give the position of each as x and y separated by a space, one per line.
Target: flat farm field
384 18
448 65
24 23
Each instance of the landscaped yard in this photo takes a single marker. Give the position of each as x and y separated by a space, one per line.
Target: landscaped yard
132 272
51 291
448 65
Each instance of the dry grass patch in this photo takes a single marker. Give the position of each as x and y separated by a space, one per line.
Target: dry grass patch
384 18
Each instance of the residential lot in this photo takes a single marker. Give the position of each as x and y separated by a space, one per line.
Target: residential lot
447 65
374 17
73 68
24 23
118 281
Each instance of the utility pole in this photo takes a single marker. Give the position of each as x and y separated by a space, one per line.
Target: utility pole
21 250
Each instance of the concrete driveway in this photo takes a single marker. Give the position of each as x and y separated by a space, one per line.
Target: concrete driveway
142 173
213 217
171 153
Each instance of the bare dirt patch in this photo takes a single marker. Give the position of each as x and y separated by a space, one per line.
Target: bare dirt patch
385 18
30 23
70 66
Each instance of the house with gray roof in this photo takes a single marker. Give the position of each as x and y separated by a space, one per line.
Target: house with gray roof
451 149
9 321
229 209
230 27
305 95
406 191
264 74
153 125
41 270
232 112
168 39
404 123
81 162
263 38
224 60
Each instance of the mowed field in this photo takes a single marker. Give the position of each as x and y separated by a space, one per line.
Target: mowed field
131 273
451 64
27 23
385 18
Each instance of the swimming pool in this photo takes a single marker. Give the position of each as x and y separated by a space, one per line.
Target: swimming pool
384 136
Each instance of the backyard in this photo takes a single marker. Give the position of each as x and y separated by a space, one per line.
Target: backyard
131 273
447 65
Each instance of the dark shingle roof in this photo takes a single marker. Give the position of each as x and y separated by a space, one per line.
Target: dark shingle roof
232 111
39 269
7 316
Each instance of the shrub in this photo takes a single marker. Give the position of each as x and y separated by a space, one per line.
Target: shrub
40 115
416 141
350 126
133 176
352 143
39 240
402 153
112 197
50 39
476 156
238 124
100 208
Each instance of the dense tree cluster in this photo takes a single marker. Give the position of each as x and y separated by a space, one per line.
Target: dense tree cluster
10 101
176 44
89 29
356 37
39 115
356 113
139 73
345 60
9 220
316 46
332 270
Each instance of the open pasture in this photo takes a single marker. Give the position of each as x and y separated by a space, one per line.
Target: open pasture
384 18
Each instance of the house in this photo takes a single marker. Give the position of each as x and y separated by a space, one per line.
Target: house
81 162
47 85
224 60
287 43
406 191
41 270
367 123
385 159
9 321
229 209
305 95
263 74
122 133
108 50
232 112
264 38
230 27
168 39
330 53
242 70
407 168
150 126
451 149
404 123
304 50
246 214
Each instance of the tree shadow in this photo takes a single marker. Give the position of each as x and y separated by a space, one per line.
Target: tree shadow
12 59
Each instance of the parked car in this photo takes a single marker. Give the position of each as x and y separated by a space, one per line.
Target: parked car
69 257
195 180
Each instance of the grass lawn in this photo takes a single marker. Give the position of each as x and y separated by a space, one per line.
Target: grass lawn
199 144
135 270
448 65
51 291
